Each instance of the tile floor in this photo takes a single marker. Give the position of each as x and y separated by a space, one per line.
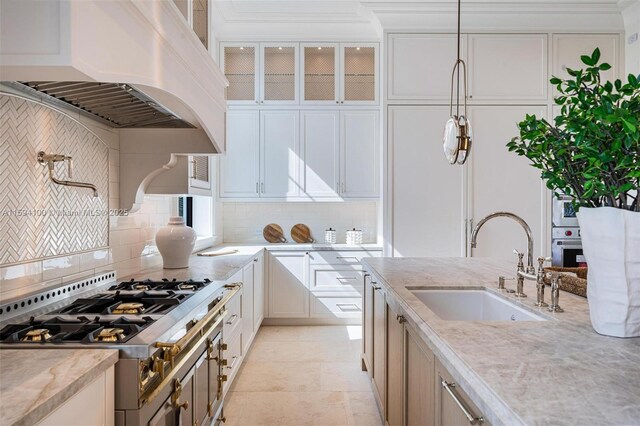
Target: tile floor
303 375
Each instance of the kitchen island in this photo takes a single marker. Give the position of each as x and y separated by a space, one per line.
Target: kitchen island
558 371
37 385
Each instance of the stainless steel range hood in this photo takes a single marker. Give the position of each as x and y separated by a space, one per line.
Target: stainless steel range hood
114 104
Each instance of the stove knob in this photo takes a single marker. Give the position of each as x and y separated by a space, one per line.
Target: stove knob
568 233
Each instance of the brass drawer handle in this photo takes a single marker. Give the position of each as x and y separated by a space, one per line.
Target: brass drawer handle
470 417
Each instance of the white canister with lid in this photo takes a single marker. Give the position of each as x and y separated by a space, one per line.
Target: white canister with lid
330 236
354 237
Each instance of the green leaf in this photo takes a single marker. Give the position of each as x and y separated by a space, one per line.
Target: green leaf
604 67
586 60
595 56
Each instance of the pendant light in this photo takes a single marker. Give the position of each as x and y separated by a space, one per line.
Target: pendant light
456 140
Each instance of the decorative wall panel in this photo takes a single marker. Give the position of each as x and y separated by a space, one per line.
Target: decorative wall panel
37 217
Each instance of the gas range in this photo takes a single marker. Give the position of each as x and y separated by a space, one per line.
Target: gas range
161 329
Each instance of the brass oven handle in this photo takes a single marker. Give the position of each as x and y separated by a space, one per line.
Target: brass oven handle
175 396
470 417
171 350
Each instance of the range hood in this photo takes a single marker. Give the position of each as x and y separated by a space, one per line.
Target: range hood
114 104
135 65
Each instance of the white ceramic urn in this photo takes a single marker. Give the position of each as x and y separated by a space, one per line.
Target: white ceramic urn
175 242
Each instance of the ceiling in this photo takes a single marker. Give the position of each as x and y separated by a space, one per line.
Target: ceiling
366 20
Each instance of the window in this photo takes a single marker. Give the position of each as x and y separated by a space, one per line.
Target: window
197 213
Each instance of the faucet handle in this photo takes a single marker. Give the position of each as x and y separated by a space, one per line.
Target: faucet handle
541 262
520 256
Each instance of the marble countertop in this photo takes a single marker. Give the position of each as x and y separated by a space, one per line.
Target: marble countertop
34 382
221 268
558 371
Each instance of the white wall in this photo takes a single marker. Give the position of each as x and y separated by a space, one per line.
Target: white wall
631 15
243 222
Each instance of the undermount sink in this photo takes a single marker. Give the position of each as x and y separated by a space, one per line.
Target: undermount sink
473 305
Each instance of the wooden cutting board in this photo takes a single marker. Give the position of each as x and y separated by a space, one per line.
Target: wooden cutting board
301 234
273 233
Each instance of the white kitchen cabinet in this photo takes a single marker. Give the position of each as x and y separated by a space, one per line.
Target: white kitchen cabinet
248 293
260 73
240 167
359 64
499 180
319 67
360 154
508 67
279 73
320 142
567 49
335 279
240 63
288 290
258 291
280 153
420 66
428 193
98 394
340 73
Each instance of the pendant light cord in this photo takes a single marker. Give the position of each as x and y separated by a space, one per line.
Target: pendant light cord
458 70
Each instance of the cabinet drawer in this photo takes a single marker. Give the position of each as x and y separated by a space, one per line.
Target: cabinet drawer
330 278
336 307
233 356
340 257
234 315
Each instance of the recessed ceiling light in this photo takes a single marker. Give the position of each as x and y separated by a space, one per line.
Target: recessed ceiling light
241 48
357 48
319 48
279 48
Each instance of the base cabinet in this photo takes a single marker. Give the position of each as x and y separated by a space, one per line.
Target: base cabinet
453 406
410 384
288 291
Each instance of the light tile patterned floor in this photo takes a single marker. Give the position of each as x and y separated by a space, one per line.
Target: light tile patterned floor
303 375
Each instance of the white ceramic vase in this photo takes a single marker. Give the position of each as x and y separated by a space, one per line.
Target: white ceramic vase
175 242
611 244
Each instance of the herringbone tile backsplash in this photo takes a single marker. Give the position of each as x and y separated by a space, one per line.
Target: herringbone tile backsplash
38 218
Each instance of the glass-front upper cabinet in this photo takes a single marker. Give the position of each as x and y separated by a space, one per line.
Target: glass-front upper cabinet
320 64
240 65
279 71
359 73
342 73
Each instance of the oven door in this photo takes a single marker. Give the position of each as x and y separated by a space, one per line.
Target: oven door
567 253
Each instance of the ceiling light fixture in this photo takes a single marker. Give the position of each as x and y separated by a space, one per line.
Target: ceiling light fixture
279 48
456 140
241 48
319 48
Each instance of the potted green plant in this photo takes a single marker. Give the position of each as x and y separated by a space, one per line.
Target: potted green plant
591 152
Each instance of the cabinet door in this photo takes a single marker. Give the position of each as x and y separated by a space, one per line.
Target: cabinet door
359 74
280 137
288 292
503 181
395 368
379 343
279 71
508 67
247 307
367 325
258 292
428 208
420 66
419 386
240 62
320 144
202 396
185 412
567 49
239 168
165 416
452 404
319 70
200 171
360 154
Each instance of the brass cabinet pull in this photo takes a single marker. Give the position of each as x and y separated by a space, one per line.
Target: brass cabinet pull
470 417
401 319
175 396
